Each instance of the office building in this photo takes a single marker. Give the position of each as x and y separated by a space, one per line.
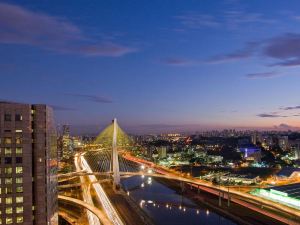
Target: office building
162 152
28 165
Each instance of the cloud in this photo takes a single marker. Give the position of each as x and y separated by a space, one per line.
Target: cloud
246 52
291 107
61 108
284 126
285 48
231 19
236 18
22 26
177 62
93 98
269 115
262 75
195 21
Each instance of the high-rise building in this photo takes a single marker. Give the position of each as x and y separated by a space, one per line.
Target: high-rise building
28 165
283 142
162 152
67 148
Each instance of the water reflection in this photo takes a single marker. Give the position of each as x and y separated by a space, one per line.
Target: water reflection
166 207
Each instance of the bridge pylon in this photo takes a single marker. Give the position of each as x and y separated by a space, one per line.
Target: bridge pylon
115 161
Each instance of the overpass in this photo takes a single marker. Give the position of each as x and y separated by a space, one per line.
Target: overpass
249 201
98 213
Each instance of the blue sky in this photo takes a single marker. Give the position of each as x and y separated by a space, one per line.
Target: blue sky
155 65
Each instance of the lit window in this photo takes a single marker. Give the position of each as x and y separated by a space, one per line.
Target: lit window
19 131
19 169
18 140
19 199
8 200
18 117
19 189
8 210
8 180
19 219
19 150
8 220
19 180
8 190
7 140
8 170
19 209
7 151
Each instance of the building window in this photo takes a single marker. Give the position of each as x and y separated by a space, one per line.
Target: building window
8 170
18 140
8 190
7 151
19 209
19 199
19 219
19 180
19 169
8 210
7 160
7 140
8 180
19 189
19 131
18 117
19 160
8 200
19 150
8 220
7 117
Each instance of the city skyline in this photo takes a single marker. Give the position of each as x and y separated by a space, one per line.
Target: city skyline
166 65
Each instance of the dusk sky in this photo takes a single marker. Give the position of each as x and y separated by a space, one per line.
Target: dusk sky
156 65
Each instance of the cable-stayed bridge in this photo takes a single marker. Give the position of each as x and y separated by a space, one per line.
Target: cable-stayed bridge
106 161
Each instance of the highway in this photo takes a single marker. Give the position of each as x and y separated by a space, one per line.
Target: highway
107 205
244 199
92 209
92 218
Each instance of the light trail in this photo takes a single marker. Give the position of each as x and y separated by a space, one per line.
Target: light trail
97 212
237 197
108 207
93 220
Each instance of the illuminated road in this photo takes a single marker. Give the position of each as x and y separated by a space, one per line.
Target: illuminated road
92 209
249 201
93 220
108 207
244 199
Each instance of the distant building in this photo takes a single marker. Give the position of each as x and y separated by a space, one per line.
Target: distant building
255 138
251 153
28 170
283 143
162 152
297 152
67 148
